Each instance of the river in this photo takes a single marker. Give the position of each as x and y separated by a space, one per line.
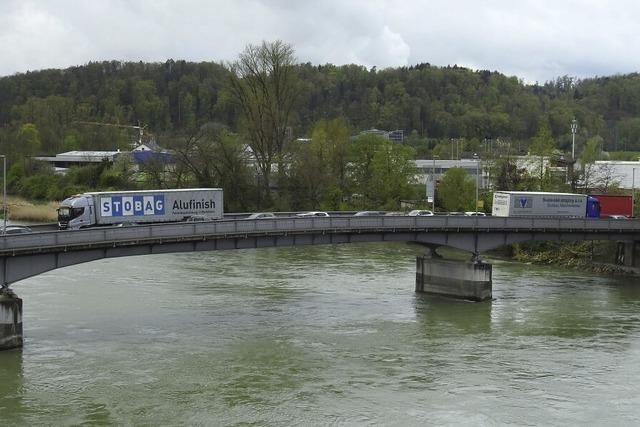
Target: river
324 335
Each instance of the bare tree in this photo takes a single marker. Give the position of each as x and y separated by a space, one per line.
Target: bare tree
264 84
215 157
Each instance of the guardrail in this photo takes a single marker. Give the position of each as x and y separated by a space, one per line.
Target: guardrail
103 235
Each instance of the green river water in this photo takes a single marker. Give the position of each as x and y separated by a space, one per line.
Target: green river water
325 335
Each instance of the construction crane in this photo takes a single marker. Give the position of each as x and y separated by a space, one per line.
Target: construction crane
140 128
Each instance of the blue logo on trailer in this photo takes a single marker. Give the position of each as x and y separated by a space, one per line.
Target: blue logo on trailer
524 202
118 206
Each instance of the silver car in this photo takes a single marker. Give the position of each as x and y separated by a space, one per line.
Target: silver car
312 213
262 215
420 212
14 229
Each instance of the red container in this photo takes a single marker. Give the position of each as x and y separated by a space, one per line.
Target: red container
614 205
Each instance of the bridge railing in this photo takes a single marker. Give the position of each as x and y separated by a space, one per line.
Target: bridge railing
100 235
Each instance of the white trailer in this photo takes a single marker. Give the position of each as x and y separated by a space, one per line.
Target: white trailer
147 206
540 204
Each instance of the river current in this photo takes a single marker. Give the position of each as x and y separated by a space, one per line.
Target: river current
324 335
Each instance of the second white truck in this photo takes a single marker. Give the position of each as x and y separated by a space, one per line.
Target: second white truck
148 206
544 204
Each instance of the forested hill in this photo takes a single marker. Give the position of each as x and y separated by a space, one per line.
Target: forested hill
425 101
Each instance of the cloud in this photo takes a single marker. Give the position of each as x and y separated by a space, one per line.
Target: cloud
534 40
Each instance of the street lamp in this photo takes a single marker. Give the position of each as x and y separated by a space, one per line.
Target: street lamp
633 192
433 181
574 128
4 192
477 159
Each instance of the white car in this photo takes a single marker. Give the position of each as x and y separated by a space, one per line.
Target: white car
475 214
368 213
420 212
312 213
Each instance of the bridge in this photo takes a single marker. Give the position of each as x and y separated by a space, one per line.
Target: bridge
27 255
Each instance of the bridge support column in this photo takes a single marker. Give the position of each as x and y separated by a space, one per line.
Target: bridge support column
455 279
628 254
10 320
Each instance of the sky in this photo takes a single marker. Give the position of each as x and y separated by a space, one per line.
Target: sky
536 41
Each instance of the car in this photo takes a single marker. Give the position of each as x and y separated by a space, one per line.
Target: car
312 213
395 213
198 218
475 214
420 212
14 229
617 217
262 215
368 213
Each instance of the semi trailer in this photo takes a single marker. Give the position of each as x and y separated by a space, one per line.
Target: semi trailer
544 204
138 207
615 205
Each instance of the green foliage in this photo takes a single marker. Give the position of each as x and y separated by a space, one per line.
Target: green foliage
382 172
456 192
550 252
507 176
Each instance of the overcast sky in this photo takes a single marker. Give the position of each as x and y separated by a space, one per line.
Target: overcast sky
533 40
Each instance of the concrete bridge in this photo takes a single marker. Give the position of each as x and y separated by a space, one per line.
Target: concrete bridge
26 255
29 254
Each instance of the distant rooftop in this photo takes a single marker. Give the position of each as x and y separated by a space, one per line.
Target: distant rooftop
82 156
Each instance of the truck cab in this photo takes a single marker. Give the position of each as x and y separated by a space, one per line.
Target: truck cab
76 212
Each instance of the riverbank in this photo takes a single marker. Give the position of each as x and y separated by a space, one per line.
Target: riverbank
20 209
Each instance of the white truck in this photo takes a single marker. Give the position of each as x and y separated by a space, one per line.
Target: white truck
147 206
544 204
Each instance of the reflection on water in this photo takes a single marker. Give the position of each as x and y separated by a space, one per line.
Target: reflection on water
315 336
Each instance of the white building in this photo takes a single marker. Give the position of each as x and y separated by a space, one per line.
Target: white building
438 167
618 172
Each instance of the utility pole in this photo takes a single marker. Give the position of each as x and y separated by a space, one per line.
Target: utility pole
4 191
633 192
477 159
433 180
574 128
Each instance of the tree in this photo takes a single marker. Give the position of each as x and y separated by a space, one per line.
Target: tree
542 146
590 154
507 175
29 139
457 190
215 157
263 81
382 171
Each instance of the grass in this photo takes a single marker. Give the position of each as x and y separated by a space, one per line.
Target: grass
22 210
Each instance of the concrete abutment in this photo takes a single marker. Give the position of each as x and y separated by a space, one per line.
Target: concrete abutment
454 279
10 320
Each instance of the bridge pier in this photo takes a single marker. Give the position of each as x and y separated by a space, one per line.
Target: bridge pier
10 320
628 253
455 279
